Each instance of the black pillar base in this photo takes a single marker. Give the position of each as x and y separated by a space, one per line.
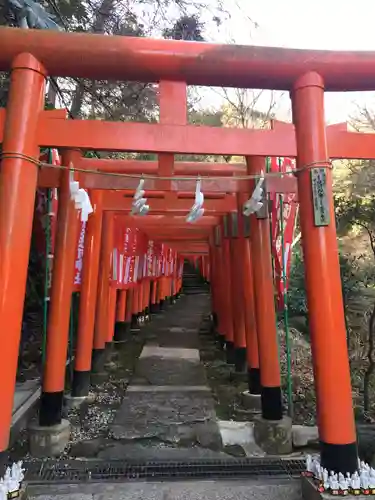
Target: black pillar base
214 319
229 350
141 319
214 324
98 360
134 322
253 378
162 305
4 462
339 457
221 340
108 348
154 308
50 410
147 315
122 329
240 359
80 384
272 405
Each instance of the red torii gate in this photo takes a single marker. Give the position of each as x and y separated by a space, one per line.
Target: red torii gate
25 127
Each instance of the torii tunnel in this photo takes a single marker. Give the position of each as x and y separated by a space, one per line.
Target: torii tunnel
236 256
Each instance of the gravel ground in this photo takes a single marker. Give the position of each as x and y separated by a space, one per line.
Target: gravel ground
90 422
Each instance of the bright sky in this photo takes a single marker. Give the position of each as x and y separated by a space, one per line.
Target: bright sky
317 24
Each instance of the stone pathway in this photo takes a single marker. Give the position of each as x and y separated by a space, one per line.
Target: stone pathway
244 489
168 413
168 406
26 396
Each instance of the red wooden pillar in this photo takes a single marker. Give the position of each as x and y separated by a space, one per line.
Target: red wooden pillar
121 326
111 315
141 317
170 290
226 270
135 308
214 290
147 299
121 306
252 354
102 305
323 284
87 303
238 306
154 304
129 308
161 292
217 285
18 182
272 408
67 234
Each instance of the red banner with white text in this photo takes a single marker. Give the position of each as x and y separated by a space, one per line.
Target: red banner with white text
283 226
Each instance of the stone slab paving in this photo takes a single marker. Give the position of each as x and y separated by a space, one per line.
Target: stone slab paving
25 397
155 407
179 490
179 418
168 414
23 392
158 371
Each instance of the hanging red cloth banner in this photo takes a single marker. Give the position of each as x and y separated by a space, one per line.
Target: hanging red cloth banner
119 231
137 267
282 232
165 253
114 264
180 267
142 252
79 258
133 261
174 264
127 235
46 222
156 260
150 259
168 261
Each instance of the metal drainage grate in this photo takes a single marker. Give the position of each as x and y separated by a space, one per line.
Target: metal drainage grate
74 471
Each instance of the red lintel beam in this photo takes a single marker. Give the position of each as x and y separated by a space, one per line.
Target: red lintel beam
199 239
148 60
194 245
111 136
181 168
167 221
155 138
194 239
49 178
190 139
189 229
201 247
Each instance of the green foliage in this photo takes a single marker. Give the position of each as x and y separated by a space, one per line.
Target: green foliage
296 292
186 28
206 117
35 280
355 210
352 275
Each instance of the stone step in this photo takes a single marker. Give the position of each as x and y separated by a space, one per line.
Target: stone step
244 489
